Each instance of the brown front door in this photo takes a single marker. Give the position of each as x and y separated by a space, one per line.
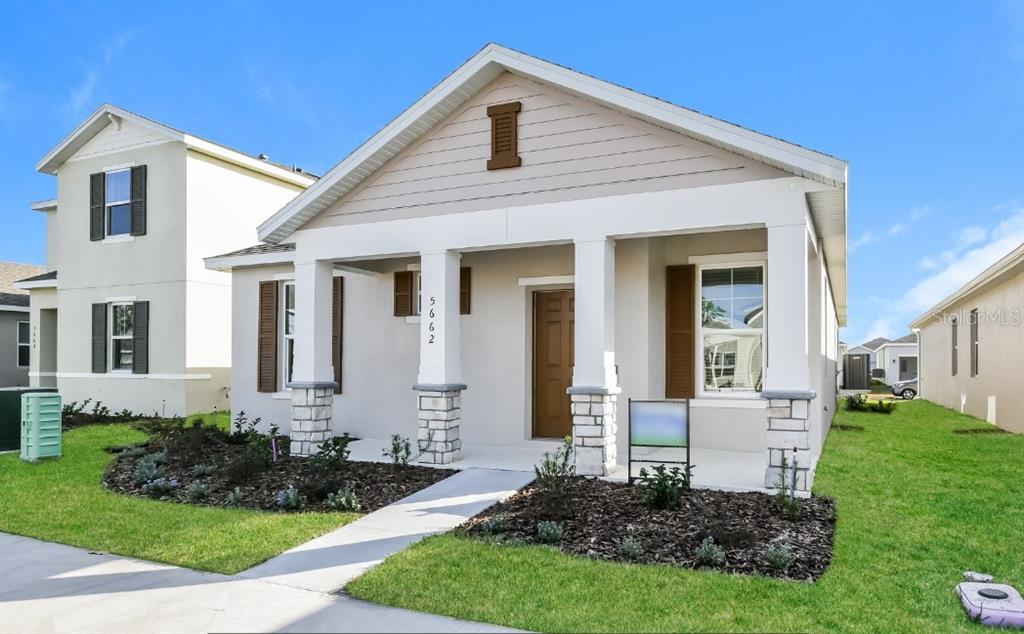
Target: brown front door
553 340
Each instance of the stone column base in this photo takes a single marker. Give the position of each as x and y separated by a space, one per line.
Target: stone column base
312 411
594 426
440 413
789 437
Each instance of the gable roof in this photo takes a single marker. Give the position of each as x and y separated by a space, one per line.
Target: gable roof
11 272
493 60
109 114
911 338
1005 268
874 344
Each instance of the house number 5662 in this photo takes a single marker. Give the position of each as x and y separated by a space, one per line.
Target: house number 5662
430 324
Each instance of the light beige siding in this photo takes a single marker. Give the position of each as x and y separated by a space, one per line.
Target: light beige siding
1000 356
570 149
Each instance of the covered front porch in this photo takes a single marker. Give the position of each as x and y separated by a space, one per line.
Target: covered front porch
716 468
473 379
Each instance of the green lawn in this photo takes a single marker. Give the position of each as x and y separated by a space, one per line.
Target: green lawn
64 501
917 505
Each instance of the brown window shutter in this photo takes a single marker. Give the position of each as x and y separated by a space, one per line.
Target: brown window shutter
403 293
337 327
99 338
504 135
97 206
680 345
138 193
140 339
953 348
465 279
266 344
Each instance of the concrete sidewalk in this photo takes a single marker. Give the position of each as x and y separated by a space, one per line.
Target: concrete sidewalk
47 587
327 563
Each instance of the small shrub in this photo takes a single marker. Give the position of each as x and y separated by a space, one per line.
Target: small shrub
252 460
778 557
134 452
629 547
784 495
147 471
332 456
202 470
882 407
159 487
290 499
554 473
343 500
400 451
497 523
665 486
709 553
236 497
197 492
158 457
316 488
549 532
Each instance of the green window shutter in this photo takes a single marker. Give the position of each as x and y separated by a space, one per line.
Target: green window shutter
139 200
140 339
403 293
97 206
99 338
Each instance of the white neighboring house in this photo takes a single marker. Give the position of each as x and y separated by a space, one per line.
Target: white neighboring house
526 248
126 313
898 358
890 360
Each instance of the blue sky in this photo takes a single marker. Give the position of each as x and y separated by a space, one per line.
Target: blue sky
926 101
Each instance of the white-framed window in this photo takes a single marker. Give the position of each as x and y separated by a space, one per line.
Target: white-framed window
24 343
731 328
288 332
122 333
119 202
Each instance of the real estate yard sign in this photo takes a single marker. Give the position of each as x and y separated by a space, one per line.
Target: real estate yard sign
660 430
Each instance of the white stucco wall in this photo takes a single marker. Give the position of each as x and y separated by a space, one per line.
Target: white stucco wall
196 206
889 358
382 351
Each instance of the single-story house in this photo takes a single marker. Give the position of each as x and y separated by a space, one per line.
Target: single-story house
972 346
897 359
15 331
890 360
524 250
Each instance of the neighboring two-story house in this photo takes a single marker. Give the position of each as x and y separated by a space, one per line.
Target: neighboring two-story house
126 313
527 248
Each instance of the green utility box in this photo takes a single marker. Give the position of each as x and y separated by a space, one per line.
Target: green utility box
10 415
40 425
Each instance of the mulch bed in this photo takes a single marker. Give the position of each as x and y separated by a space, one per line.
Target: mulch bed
375 484
597 513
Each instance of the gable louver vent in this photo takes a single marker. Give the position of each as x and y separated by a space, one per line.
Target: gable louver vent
504 135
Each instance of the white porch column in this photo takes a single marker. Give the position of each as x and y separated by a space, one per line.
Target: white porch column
439 383
313 372
787 385
786 292
595 385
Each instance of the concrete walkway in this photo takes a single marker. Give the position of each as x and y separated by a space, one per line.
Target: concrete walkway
327 563
47 587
